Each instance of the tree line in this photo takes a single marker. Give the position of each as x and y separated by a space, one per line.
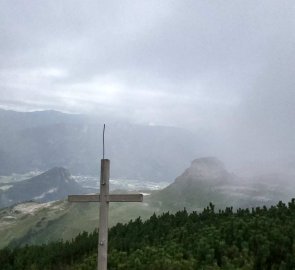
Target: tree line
256 238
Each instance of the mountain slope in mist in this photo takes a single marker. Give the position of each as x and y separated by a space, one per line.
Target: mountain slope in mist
42 140
205 181
54 184
37 223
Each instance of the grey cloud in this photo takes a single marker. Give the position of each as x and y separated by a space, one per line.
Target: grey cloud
223 67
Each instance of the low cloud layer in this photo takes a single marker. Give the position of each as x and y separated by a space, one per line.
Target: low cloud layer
223 68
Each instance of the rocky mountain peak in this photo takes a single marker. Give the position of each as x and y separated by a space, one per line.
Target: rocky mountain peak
197 186
205 169
59 172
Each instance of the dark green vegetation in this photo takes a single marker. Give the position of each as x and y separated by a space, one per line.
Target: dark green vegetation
257 238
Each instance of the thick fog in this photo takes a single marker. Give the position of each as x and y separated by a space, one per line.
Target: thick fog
222 69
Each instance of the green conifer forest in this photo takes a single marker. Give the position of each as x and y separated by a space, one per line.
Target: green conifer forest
257 238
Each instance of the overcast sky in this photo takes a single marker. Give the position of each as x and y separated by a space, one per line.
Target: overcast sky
223 67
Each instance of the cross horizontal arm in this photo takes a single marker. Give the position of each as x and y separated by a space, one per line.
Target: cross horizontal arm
110 198
125 198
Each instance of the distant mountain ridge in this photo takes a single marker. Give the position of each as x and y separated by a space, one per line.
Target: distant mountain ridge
46 139
51 185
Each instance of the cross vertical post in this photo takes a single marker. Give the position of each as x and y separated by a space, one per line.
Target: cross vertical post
104 198
103 215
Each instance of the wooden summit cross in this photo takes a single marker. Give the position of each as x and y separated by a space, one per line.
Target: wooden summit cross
104 198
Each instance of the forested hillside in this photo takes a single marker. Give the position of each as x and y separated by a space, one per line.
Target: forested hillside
257 238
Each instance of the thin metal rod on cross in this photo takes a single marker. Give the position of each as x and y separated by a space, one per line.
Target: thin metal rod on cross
104 198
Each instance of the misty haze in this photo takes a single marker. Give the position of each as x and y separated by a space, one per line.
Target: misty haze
198 100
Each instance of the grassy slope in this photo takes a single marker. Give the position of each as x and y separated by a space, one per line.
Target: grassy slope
63 220
192 196
26 223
